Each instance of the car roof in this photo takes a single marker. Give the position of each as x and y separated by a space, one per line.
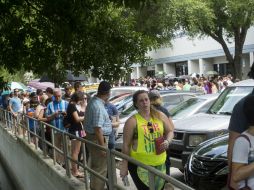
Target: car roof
166 92
209 96
130 88
248 82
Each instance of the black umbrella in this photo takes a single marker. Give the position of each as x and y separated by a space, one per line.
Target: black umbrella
72 77
45 78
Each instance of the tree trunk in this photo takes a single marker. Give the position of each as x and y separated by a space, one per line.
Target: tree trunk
238 66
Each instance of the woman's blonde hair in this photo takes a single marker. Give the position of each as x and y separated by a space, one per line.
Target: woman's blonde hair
154 113
157 101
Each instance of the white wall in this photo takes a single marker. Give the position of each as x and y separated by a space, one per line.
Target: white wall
193 66
184 45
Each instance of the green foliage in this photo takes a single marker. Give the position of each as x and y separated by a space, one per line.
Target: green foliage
54 36
6 76
223 20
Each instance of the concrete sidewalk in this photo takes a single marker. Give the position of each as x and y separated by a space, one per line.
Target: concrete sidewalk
173 171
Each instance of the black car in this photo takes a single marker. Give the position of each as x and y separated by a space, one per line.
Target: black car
207 167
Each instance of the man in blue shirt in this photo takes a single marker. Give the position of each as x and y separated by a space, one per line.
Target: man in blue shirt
114 117
98 128
15 107
56 110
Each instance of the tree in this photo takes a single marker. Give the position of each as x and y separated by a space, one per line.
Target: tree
223 20
54 36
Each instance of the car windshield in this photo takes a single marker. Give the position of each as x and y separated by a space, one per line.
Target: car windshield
123 101
127 112
184 108
225 103
116 92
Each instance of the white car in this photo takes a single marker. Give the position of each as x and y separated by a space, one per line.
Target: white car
199 104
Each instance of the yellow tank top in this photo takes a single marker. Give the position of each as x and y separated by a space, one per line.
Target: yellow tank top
145 152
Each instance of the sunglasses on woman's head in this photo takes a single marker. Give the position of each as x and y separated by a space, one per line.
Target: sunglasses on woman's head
150 127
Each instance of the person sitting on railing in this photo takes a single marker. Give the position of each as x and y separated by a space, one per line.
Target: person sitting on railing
76 129
146 137
56 110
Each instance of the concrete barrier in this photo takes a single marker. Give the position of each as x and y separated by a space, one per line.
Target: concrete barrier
29 169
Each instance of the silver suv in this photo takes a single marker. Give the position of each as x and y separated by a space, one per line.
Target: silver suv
190 132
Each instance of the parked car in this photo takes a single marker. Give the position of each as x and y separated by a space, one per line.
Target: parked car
199 104
119 98
170 99
190 132
207 164
125 89
124 103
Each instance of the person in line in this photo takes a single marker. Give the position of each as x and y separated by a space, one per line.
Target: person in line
243 151
82 108
50 93
140 133
156 102
98 128
41 108
15 107
39 94
30 111
56 110
78 87
40 114
114 118
76 129
67 94
237 125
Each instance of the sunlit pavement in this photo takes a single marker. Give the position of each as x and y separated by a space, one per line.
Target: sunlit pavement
174 173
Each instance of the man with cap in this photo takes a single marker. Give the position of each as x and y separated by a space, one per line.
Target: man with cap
156 102
98 128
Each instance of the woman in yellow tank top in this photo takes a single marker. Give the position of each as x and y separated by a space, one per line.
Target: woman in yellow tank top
140 132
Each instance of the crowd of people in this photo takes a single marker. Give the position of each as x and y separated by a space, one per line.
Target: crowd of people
207 85
147 134
67 112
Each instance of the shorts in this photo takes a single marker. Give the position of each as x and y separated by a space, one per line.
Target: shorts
79 133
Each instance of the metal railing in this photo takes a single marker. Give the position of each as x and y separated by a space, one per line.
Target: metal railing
20 126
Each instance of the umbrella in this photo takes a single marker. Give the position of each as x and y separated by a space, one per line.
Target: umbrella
45 78
170 75
211 73
41 85
72 77
17 85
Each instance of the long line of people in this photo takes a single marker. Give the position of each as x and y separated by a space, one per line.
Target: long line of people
57 109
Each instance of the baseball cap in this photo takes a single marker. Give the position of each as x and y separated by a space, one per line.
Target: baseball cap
154 94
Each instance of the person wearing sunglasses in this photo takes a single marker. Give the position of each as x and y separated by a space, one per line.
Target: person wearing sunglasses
140 135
